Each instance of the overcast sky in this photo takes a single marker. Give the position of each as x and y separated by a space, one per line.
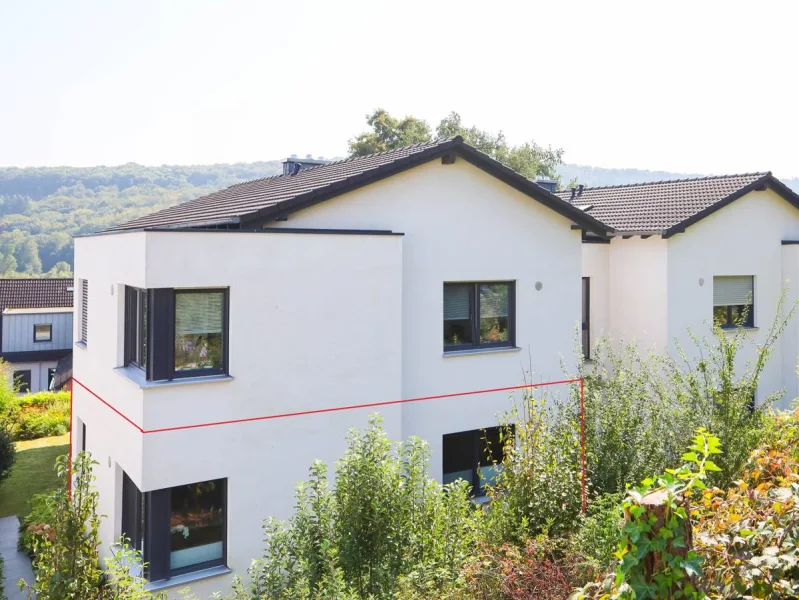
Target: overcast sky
703 87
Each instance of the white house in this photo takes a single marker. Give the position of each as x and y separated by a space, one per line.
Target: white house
210 332
688 251
35 329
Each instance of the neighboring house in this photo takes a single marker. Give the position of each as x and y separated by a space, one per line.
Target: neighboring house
688 251
36 329
421 271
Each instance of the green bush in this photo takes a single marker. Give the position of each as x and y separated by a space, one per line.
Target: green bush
599 530
384 524
35 525
33 416
7 452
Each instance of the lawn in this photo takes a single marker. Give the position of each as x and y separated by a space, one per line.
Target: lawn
32 473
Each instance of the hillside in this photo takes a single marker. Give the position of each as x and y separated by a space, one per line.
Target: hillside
41 208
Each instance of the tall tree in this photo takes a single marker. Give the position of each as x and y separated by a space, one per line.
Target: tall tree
28 257
387 132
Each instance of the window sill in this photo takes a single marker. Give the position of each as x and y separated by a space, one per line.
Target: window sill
81 345
137 377
481 351
747 328
187 578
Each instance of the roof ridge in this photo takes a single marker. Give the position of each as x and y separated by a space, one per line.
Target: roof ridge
35 278
433 142
662 181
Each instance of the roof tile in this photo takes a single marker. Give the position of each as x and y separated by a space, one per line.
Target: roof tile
35 293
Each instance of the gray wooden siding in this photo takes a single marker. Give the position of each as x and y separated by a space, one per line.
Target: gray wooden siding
18 332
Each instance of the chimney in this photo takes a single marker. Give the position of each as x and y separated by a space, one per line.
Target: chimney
574 192
550 185
293 165
580 189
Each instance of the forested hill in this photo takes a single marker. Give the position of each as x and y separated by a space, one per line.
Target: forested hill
41 208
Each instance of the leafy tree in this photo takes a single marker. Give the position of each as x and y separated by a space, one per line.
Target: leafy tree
28 257
388 133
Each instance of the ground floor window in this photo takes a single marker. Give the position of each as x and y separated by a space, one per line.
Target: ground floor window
733 301
475 456
179 529
50 378
22 380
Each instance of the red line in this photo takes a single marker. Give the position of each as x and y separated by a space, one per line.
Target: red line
71 427
582 436
328 410
108 405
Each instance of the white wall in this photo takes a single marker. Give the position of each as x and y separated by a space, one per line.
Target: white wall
315 322
743 238
637 297
39 373
596 266
461 224
790 337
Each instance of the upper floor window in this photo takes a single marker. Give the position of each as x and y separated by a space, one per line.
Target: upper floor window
479 315
734 301
136 327
43 332
176 333
199 331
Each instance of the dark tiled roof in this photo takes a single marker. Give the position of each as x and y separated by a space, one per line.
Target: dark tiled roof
282 194
35 293
668 206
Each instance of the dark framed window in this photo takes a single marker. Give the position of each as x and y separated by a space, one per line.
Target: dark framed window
136 327
180 529
22 380
586 326
43 332
475 456
734 301
479 315
200 332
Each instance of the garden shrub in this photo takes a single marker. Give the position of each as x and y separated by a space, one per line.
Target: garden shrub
43 414
640 409
384 523
7 452
599 531
37 523
66 564
747 534
539 487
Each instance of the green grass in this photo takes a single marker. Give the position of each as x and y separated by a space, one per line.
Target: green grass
33 473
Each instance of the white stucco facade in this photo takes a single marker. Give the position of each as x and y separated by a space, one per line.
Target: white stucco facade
320 320
658 289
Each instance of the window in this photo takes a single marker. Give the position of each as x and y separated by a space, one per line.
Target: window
43 332
50 378
733 301
84 310
136 327
199 332
478 315
179 529
475 456
22 380
586 326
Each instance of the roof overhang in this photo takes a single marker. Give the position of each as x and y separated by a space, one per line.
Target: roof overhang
37 311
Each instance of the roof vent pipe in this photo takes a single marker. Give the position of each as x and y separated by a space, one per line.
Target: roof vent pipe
580 190
574 192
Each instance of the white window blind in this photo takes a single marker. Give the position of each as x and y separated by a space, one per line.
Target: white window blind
84 310
732 291
198 313
456 302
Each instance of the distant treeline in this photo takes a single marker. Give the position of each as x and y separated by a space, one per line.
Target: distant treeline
41 208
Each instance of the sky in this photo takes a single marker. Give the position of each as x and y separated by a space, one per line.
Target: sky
698 87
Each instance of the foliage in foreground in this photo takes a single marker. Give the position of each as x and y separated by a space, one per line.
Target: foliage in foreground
640 409
8 452
384 524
